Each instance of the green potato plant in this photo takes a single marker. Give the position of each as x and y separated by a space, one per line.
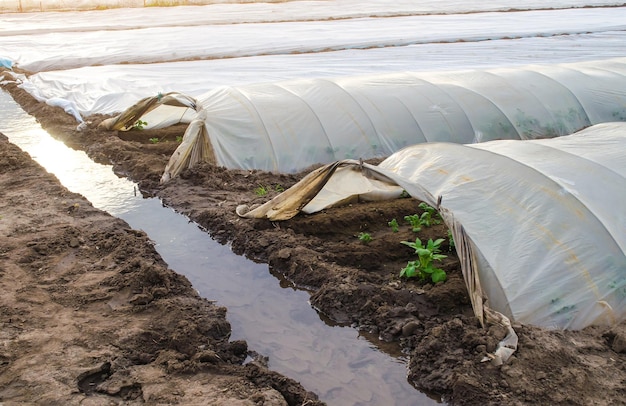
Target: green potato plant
415 222
365 238
139 125
260 191
423 268
394 225
451 239
430 216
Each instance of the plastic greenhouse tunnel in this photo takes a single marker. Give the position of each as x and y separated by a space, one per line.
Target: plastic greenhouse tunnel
291 125
526 165
539 225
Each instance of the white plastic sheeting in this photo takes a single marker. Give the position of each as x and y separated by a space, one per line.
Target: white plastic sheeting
26 6
543 221
312 8
79 45
288 126
113 88
243 43
65 49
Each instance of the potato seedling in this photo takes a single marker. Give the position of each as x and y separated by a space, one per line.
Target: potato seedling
365 238
427 220
415 222
423 268
428 208
261 190
430 216
450 239
394 225
154 140
139 125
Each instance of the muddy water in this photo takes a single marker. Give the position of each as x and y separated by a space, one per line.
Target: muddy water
340 365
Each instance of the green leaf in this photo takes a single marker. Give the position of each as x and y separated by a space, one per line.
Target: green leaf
439 275
415 245
394 225
409 270
428 270
425 219
365 238
408 244
451 239
434 245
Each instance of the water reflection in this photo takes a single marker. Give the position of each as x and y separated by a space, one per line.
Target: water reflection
338 363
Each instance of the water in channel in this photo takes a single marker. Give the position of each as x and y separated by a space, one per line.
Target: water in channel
342 366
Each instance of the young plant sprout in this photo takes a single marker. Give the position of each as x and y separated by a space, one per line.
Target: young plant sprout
430 216
415 222
394 225
260 191
139 125
423 268
451 239
365 238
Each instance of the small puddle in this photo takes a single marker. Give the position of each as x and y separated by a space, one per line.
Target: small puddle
341 365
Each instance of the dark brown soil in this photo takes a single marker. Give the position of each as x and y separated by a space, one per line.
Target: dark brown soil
358 283
90 313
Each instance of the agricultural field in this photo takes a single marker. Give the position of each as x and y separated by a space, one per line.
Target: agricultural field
357 260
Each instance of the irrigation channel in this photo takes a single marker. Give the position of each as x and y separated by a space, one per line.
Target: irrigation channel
341 365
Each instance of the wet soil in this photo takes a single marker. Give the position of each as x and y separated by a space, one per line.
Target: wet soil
354 282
